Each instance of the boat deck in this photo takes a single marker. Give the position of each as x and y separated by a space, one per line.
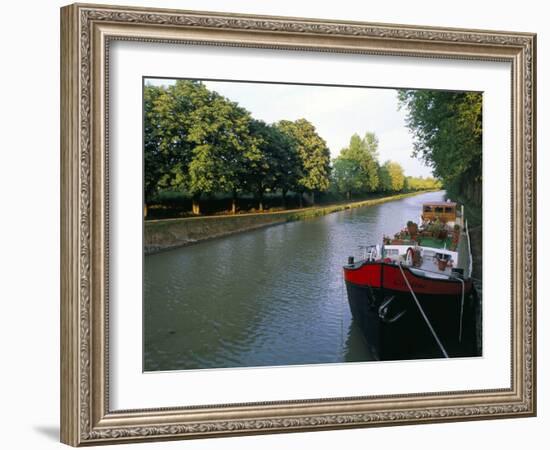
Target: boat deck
429 268
431 247
427 241
429 264
435 243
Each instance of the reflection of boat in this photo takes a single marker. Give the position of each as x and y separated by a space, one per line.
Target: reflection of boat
413 295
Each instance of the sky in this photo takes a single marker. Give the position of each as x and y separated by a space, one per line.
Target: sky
336 112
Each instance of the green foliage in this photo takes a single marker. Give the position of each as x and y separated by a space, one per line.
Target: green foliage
435 228
447 128
365 153
167 150
197 143
392 177
196 140
223 146
421 183
346 175
356 168
277 166
313 153
384 179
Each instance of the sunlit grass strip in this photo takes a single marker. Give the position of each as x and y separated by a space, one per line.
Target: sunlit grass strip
313 212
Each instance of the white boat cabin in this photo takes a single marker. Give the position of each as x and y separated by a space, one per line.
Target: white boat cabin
427 261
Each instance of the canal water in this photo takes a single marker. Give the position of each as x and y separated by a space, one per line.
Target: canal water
273 296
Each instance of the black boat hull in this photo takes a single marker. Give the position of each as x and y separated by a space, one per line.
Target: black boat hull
394 328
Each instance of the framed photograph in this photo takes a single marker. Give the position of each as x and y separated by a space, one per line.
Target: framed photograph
276 224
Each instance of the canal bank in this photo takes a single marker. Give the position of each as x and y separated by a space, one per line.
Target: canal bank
160 235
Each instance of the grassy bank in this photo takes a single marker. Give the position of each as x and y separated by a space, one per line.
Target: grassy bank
165 234
312 212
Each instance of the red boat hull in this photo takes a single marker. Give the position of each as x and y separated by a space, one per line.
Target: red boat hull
388 276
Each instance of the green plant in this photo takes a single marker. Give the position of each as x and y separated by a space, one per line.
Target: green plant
435 228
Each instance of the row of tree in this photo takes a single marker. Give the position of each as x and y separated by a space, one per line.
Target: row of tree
199 142
357 170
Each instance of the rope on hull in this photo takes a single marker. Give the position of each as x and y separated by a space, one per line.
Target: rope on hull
434 334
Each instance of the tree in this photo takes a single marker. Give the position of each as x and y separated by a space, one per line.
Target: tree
447 128
167 151
288 167
223 147
278 165
365 153
392 177
313 153
347 176
385 179
407 184
421 183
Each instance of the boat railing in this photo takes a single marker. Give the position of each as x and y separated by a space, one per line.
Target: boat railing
370 252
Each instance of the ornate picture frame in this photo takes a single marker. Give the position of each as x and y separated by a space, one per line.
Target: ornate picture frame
86 34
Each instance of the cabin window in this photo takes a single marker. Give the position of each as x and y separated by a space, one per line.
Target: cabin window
448 209
392 252
438 209
427 209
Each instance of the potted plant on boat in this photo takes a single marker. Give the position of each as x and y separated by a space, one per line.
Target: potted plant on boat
435 228
412 228
456 235
442 264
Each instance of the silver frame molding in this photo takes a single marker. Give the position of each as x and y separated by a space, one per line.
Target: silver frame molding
86 31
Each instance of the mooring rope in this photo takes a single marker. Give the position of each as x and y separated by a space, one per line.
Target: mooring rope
434 334
461 302
461 310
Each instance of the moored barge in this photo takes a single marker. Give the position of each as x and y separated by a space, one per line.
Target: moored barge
413 295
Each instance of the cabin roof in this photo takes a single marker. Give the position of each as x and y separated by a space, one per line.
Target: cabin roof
440 204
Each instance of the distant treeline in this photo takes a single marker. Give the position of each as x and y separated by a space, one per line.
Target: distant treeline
357 170
203 146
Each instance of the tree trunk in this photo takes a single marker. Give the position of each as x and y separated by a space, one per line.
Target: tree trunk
284 198
349 195
312 198
234 203
301 199
145 210
196 206
261 200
